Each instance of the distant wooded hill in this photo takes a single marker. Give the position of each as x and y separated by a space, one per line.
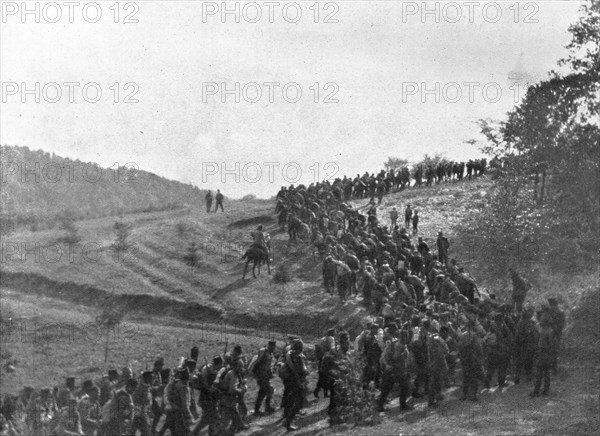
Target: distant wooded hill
38 188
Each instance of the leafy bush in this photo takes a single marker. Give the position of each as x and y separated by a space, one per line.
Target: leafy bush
586 322
191 256
282 275
67 223
354 404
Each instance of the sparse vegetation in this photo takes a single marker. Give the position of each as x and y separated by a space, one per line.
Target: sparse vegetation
107 320
282 275
122 231
67 224
191 256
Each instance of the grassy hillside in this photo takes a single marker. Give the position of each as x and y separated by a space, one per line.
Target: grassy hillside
38 188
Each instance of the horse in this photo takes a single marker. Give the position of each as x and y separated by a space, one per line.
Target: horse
258 255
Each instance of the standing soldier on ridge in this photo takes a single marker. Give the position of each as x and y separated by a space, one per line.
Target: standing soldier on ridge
209 199
219 198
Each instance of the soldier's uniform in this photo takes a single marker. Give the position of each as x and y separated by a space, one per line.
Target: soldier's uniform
329 273
470 353
498 351
209 397
142 403
520 288
395 360
117 412
526 340
177 405
324 346
438 350
264 373
420 354
233 388
293 384
545 356
209 200
90 412
68 421
219 198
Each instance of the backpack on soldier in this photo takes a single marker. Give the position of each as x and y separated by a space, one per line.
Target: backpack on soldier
219 383
252 367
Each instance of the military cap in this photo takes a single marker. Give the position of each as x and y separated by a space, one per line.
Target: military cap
298 344
344 334
182 374
87 384
374 326
45 392
113 374
127 373
331 332
190 363
147 375
217 359
237 349
70 381
132 383
159 361
272 342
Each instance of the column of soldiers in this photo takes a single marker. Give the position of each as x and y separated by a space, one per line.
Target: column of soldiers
317 206
417 348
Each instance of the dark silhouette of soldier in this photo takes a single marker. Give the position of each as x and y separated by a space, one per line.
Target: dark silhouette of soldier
470 353
545 355
209 200
264 374
219 198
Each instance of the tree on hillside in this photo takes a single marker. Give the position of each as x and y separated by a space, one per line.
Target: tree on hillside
393 163
67 224
549 147
107 320
121 244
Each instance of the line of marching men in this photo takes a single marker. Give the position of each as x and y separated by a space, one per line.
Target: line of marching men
419 351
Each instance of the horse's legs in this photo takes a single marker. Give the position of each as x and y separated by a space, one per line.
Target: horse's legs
246 268
253 268
268 265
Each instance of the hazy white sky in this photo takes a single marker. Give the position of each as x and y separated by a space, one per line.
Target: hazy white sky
372 65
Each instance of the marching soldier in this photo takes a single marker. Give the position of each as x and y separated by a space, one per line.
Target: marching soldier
264 373
294 376
470 353
209 200
394 362
234 388
209 396
142 403
90 412
116 414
